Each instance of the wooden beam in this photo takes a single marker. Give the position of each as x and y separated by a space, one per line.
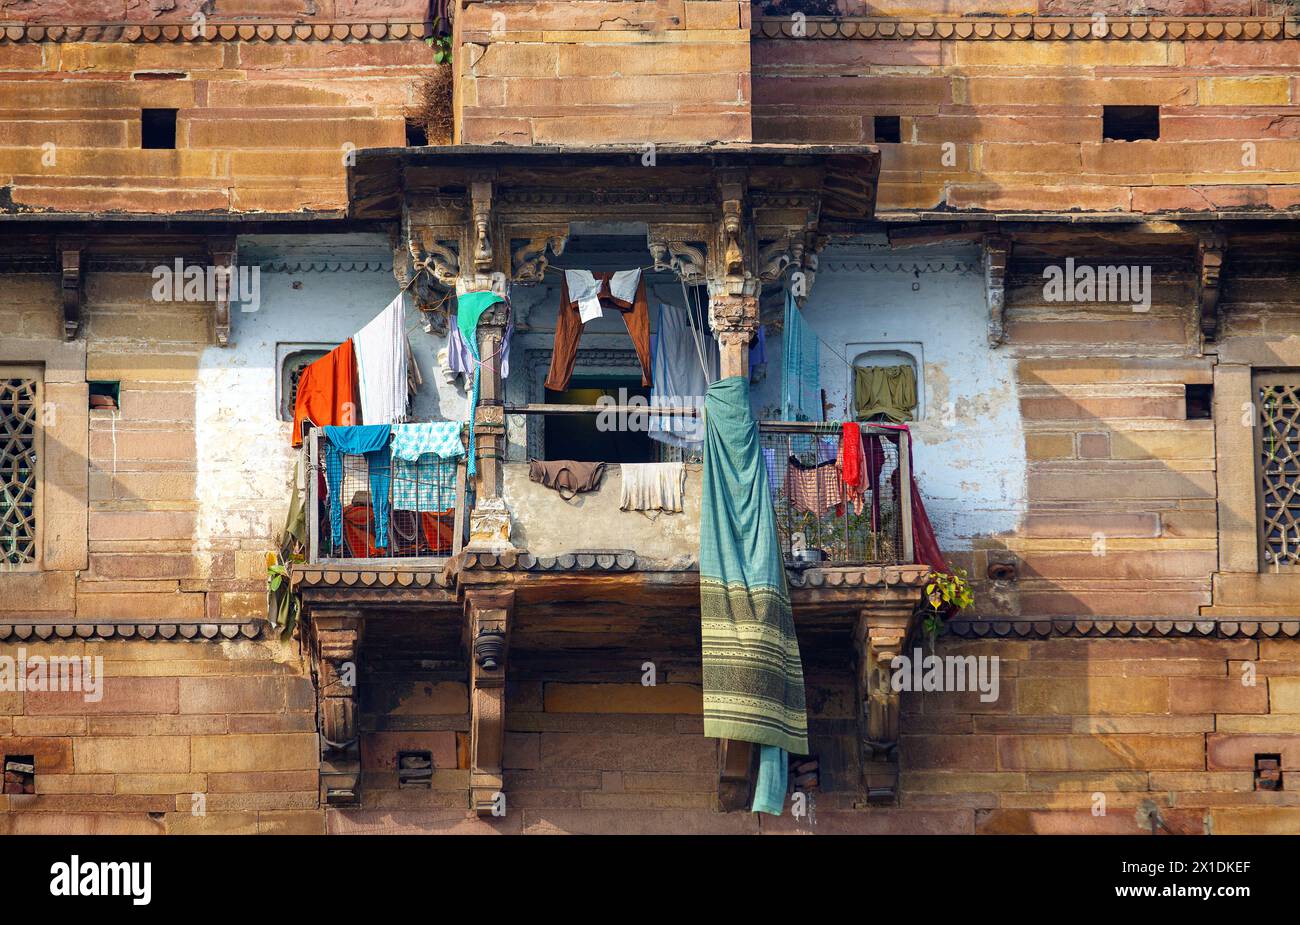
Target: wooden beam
487 623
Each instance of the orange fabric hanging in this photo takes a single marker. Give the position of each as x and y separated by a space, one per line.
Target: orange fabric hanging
327 392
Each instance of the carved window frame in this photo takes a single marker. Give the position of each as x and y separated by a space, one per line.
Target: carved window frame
9 424
1275 395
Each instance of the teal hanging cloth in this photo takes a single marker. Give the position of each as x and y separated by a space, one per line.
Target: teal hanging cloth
469 308
752 673
773 774
800 367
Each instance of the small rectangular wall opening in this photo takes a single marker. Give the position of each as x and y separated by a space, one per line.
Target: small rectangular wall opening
1130 123
415 770
1268 772
158 129
105 395
888 130
20 774
1199 401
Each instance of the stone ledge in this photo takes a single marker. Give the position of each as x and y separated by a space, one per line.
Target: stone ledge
183 33
1033 28
1122 627
162 632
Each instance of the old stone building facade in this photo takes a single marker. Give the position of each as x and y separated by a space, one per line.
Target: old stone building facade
1115 473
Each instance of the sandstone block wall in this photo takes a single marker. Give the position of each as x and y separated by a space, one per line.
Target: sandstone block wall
187 738
574 72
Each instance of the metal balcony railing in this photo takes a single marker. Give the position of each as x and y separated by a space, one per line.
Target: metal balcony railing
422 514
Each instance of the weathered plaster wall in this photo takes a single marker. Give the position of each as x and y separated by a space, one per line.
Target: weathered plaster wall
314 293
547 525
969 443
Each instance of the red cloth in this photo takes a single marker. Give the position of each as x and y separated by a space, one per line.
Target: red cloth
852 463
328 395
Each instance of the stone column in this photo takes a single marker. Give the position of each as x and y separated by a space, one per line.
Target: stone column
734 320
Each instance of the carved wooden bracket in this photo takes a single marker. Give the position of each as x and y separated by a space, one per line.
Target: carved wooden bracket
1211 253
737 770
222 252
680 249
997 258
71 262
335 646
487 625
878 638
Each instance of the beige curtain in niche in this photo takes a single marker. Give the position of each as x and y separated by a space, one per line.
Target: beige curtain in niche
887 390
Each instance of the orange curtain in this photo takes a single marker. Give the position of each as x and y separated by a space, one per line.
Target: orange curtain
327 392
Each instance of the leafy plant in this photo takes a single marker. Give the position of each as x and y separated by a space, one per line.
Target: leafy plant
442 48
284 603
946 593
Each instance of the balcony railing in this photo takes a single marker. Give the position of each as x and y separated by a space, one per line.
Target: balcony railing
422 513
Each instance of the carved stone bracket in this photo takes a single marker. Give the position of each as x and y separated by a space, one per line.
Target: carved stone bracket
997 258
1211 253
879 637
529 262
487 625
72 281
335 645
222 252
674 248
734 320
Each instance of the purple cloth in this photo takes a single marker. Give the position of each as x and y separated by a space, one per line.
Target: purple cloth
458 355
758 349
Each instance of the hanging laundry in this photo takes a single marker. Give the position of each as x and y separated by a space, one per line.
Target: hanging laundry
886 391
382 367
469 308
772 781
925 545
813 489
420 481
758 349
459 360
752 671
852 463
685 364
370 441
569 324
653 487
327 392
567 476
800 368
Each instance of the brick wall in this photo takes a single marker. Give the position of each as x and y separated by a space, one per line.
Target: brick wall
1021 119
188 737
261 126
1161 720
576 72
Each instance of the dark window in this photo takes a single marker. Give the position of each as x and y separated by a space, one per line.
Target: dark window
158 128
417 136
888 129
1130 123
415 770
577 436
1199 402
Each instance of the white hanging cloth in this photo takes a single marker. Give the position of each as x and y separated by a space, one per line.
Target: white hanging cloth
382 366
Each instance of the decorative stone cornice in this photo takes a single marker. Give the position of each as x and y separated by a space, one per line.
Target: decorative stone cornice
161 632
1031 28
1122 627
186 33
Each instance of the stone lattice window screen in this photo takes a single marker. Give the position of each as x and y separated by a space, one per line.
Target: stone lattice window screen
1278 454
19 423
